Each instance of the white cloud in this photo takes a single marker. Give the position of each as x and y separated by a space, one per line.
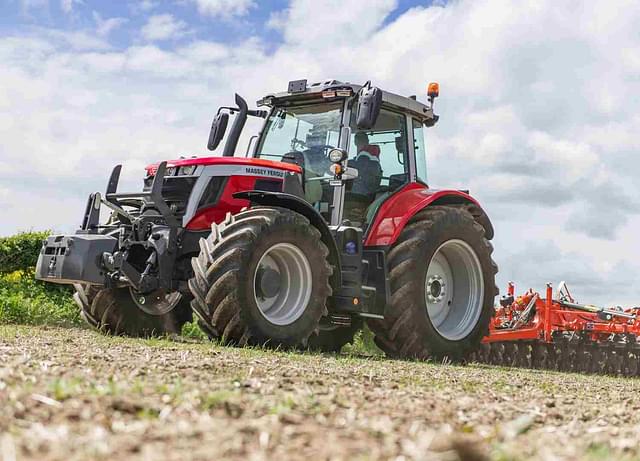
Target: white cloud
333 21
67 5
538 115
146 5
204 52
4 197
78 40
105 26
163 27
224 8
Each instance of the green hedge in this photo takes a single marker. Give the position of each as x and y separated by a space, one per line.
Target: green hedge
20 252
23 299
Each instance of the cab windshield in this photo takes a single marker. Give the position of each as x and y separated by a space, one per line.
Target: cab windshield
305 132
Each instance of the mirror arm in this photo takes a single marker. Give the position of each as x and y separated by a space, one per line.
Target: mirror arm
258 113
236 129
232 110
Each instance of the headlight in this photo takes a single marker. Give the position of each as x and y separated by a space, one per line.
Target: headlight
337 155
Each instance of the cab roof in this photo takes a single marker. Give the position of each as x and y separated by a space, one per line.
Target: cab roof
299 91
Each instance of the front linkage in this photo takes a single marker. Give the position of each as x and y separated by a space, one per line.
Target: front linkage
130 273
99 254
559 334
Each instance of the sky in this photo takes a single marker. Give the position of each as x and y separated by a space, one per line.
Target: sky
539 107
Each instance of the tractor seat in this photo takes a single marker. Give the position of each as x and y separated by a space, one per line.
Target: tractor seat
396 181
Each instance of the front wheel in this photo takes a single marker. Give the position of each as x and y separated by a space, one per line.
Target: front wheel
262 277
122 311
442 282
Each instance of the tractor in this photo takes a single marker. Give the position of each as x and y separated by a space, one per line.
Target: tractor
324 224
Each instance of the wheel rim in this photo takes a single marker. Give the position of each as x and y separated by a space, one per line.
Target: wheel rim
454 289
282 284
159 302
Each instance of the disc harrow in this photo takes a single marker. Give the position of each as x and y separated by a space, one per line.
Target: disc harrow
560 334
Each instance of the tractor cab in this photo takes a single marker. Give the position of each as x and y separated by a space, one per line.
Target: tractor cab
356 145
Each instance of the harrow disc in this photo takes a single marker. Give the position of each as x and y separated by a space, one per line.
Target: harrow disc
631 363
509 355
539 355
569 354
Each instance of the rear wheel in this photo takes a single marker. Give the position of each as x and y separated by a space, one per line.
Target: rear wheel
442 282
262 277
122 311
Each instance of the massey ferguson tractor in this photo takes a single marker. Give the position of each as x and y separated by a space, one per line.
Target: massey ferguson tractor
325 223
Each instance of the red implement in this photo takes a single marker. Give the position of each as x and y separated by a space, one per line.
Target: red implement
561 334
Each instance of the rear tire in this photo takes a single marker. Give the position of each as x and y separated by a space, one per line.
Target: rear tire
428 318
262 278
114 311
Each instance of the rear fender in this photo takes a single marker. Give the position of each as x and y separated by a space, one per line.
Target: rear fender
284 200
400 207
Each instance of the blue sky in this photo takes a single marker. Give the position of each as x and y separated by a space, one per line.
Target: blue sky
537 110
82 16
20 16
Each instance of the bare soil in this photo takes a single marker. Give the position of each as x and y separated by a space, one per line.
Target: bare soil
68 394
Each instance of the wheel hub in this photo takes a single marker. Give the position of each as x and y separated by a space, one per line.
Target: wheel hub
282 283
269 282
436 289
159 302
454 289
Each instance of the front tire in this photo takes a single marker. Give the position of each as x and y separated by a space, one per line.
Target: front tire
442 282
115 311
262 277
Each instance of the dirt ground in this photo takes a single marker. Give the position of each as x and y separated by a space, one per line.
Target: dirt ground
74 394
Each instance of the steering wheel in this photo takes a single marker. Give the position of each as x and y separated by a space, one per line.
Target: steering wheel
321 147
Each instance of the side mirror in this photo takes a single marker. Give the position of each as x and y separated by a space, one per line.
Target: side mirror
369 104
218 128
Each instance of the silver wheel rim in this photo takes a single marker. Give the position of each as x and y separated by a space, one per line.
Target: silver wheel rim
454 289
159 302
282 284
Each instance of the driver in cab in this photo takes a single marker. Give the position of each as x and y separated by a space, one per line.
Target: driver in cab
363 188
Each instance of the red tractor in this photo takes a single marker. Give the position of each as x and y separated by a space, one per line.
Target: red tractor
325 223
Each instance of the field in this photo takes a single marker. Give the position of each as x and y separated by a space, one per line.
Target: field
70 393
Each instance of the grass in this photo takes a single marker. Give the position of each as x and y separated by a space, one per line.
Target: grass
363 344
24 300
27 301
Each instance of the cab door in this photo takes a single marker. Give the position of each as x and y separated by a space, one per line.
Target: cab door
382 159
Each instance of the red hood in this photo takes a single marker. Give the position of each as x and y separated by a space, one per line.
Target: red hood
151 169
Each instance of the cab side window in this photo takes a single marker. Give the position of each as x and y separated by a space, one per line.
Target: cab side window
380 156
420 150
386 144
